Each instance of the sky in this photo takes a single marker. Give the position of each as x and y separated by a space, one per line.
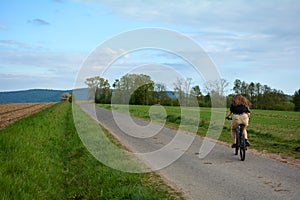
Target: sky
44 44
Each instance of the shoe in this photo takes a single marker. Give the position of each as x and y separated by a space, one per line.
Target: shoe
247 143
233 146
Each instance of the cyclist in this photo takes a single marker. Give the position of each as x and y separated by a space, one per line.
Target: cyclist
241 115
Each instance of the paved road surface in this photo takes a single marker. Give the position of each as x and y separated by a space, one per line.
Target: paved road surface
220 175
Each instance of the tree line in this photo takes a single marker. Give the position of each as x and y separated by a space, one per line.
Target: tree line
140 89
263 96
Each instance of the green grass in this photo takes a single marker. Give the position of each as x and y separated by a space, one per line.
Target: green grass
274 131
42 157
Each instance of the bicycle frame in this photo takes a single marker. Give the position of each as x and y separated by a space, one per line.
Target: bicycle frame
240 140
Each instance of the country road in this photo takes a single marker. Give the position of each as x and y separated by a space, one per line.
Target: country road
220 175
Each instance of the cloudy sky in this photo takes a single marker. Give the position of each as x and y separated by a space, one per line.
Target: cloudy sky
43 44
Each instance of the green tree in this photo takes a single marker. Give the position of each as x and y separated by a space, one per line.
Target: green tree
99 89
237 86
134 89
196 92
251 90
262 96
296 100
117 94
257 95
65 96
245 89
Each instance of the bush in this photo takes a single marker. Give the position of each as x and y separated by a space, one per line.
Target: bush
174 119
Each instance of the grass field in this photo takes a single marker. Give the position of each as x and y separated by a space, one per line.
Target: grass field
274 131
42 157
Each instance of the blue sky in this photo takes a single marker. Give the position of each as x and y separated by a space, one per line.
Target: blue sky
44 43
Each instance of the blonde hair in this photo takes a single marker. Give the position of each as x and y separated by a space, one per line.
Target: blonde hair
241 100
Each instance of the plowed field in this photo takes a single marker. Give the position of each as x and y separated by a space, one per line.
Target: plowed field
11 112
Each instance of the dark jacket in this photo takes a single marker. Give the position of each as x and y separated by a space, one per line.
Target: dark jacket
240 109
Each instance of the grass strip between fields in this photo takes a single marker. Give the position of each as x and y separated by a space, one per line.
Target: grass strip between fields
42 157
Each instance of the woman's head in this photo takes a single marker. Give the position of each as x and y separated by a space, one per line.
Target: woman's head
240 100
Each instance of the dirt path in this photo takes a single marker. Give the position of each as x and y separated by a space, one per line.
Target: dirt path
11 112
220 175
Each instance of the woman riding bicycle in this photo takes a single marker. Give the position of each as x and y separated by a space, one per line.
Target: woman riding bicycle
241 115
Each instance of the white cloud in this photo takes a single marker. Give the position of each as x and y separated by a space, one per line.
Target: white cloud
38 22
241 28
256 35
3 27
13 42
21 81
232 15
39 59
252 35
23 69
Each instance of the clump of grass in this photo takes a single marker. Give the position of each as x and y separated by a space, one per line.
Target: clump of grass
173 119
42 157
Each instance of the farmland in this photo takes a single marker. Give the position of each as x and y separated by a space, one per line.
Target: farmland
11 112
269 131
42 157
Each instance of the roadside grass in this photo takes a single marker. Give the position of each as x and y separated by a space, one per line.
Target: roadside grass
273 131
42 157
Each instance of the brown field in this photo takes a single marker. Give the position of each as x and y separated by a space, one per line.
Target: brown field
11 112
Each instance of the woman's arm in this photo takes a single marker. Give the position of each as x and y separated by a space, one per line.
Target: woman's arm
229 113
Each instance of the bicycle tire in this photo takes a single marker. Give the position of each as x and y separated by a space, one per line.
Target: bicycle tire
237 141
242 147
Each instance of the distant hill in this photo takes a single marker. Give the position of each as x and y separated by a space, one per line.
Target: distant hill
34 95
172 95
46 95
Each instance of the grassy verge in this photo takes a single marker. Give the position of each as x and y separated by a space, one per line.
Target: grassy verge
274 131
42 157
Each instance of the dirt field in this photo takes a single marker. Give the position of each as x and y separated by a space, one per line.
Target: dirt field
11 112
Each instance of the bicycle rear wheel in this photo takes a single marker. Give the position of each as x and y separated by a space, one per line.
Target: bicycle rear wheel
237 141
242 147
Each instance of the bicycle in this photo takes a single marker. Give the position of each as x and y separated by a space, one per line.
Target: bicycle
240 141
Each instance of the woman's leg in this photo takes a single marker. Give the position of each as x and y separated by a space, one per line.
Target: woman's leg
245 133
233 135
234 125
245 121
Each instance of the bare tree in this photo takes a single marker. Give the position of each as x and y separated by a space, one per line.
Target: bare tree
178 89
217 91
187 87
160 89
183 88
217 87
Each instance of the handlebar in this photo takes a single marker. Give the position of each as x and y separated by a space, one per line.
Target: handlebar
229 118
